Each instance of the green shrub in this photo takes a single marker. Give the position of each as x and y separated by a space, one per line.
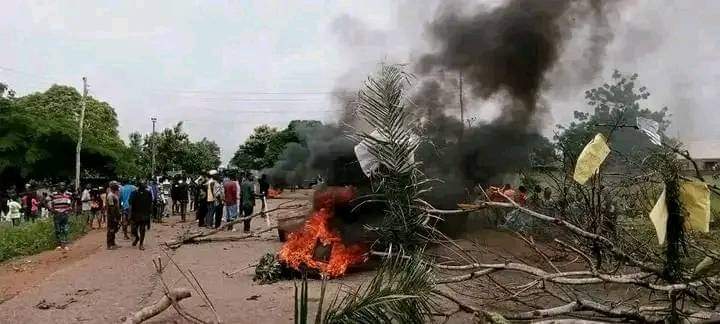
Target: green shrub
32 238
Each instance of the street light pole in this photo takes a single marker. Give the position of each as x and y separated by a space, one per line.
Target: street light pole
154 120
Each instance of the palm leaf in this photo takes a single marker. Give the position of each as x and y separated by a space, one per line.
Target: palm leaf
399 293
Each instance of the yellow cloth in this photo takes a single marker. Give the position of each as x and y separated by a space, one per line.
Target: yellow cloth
591 158
695 199
659 217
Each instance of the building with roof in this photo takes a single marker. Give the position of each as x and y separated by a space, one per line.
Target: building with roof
706 154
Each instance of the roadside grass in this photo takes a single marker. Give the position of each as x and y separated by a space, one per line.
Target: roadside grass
32 238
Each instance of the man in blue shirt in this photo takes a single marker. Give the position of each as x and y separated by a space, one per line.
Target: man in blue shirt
125 191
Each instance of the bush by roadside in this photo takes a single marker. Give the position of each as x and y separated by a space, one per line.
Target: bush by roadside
32 238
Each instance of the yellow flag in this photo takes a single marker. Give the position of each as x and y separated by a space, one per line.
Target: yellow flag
659 217
695 197
591 158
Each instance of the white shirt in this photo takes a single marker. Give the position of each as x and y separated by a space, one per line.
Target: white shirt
14 212
85 198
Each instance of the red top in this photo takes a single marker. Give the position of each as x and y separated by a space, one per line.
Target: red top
231 193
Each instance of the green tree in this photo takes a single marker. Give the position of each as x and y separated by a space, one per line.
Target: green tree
38 134
201 156
616 103
251 155
265 147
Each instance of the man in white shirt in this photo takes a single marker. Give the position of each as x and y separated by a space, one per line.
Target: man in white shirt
86 206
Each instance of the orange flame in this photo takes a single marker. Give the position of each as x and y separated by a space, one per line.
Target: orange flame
300 246
273 193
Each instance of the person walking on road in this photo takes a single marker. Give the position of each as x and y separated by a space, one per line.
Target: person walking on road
210 190
182 196
113 214
140 213
61 206
247 200
125 192
231 200
201 201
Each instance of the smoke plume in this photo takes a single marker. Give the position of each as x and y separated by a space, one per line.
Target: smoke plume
505 55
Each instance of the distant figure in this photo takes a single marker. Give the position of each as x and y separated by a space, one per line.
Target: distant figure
15 211
155 193
103 204
86 205
60 206
264 189
201 201
125 192
192 193
232 193
210 189
30 204
247 200
4 210
219 193
95 207
175 196
113 214
182 196
140 212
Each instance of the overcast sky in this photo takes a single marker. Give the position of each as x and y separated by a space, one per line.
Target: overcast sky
223 67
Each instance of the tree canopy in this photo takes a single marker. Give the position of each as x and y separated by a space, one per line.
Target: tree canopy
617 103
39 133
265 146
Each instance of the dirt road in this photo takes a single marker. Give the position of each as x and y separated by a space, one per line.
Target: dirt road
93 285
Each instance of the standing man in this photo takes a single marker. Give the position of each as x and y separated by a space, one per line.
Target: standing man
15 211
210 191
231 199
86 207
153 188
200 201
175 196
140 212
219 201
113 214
125 192
60 207
247 199
182 198
264 188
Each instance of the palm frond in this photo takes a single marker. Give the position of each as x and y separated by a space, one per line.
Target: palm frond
393 142
399 293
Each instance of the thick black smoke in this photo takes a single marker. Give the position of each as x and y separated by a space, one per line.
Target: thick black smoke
510 49
505 55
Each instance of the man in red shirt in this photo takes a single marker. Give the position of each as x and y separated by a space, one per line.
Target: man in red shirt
231 199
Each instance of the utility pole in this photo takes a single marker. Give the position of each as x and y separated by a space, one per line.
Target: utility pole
462 108
78 148
154 120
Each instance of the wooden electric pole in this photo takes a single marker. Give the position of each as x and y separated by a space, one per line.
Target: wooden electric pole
152 173
462 108
78 148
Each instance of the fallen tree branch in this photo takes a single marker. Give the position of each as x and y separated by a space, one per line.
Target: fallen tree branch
580 305
189 238
173 296
210 239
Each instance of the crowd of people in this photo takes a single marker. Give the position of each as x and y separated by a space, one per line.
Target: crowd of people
131 206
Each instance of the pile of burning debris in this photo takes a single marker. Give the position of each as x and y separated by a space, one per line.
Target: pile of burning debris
317 246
